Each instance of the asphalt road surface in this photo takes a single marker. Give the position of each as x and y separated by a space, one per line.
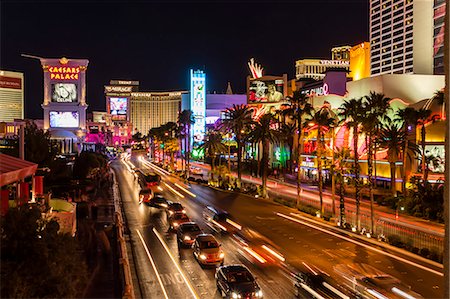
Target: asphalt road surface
274 242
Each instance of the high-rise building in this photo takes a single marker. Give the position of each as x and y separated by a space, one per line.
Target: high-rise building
153 109
401 36
11 96
360 61
438 36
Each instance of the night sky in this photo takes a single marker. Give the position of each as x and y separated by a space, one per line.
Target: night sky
157 43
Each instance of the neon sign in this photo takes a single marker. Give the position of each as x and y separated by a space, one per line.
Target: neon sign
64 72
255 69
198 104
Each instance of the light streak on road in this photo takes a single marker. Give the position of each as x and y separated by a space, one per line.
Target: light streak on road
239 227
376 294
191 289
361 244
185 190
153 264
255 255
402 293
336 291
219 225
173 190
311 291
310 269
274 253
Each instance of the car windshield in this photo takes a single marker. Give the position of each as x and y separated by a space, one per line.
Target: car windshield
191 228
241 276
208 244
176 206
180 216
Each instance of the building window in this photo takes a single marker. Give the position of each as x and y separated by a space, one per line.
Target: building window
386 69
408 63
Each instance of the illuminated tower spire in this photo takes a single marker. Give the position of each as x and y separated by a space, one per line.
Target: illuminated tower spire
229 90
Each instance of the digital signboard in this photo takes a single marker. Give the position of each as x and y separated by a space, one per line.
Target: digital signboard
64 119
64 92
198 104
265 90
118 108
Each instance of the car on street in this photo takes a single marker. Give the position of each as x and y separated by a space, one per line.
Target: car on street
174 207
176 219
145 195
236 281
208 251
220 220
158 201
187 232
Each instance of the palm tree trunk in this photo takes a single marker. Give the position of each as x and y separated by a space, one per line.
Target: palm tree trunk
370 180
392 166
239 158
319 168
424 158
299 158
264 167
404 155
342 202
188 151
357 187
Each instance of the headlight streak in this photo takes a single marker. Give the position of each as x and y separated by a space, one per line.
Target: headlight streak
234 224
185 190
158 276
274 253
173 190
310 269
311 291
402 293
219 225
255 255
376 294
191 289
336 291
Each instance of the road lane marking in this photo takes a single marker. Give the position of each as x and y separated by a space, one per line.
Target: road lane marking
361 244
191 289
173 190
185 190
153 264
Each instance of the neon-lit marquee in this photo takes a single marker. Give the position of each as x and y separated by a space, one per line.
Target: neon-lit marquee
198 104
317 91
64 72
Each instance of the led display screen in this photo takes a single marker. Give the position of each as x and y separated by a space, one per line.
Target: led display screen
265 91
64 92
436 157
64 119
118 108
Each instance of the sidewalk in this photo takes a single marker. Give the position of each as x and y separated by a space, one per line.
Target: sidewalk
290 190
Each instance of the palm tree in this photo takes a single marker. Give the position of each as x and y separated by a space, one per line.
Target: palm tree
212 146
323 121
353 112
185 120
392 139
263 132
300 108
287 132
237 119
423 116
407 118
376 106
342 168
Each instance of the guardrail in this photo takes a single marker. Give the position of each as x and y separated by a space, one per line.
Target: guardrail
125 269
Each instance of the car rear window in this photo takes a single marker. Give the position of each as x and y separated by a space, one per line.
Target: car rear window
208 244
180 216
191 228
176 206
241 276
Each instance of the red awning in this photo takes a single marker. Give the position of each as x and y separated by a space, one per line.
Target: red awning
13 169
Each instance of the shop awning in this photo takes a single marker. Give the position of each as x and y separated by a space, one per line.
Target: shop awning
13 169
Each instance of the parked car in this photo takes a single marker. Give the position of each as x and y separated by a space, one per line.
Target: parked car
174 207
145 195
236 281
176 219
207 250
187 232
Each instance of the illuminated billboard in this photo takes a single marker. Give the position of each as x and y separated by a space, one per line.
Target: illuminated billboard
262 90
118 108
64 92
198 104
59 119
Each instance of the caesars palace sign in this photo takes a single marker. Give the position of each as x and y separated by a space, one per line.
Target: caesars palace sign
64 72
